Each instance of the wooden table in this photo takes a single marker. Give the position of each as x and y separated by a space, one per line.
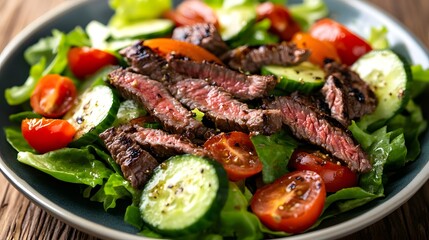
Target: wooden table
21 219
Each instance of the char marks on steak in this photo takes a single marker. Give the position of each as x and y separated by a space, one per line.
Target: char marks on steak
241 86
136 164
155 98
219 107
244 87
252 58
145 61
308 123
346 94
204 35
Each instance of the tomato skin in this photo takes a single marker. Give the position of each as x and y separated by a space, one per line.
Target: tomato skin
85 61
235 151
167 46
292 203
334 175
282 24
320 50
53 96
349 45
191 12
46 135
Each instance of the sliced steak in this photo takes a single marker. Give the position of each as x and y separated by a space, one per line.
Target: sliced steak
143 60
346 94
204 35
136 164
153 96
252 58
163 145
241 86
308 123
219 107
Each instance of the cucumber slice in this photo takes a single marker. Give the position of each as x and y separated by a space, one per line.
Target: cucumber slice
128 110
389 76
185 195
144 29
94 112
305 77
235 20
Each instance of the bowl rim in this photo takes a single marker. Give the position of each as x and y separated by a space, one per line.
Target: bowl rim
338 230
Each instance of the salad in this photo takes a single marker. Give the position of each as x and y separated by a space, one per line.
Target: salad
83 123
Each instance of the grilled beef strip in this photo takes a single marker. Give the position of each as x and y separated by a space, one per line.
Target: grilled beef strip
136 164
163 145
308 123
252 58
241 86
204 35
145 61
219 107
153 96
347 95
244 87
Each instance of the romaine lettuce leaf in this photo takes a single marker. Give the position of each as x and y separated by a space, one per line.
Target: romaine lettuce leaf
274 152
309 12
378 38
128 11
69 165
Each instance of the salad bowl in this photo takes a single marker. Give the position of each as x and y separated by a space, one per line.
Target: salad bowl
65 200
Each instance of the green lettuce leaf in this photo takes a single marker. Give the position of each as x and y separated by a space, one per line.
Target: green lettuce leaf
309 12
128 11
115 188
274 152
412 122
15 138
383 148
69 165
378 38
256 35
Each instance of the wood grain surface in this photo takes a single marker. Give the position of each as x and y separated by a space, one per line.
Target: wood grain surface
21 219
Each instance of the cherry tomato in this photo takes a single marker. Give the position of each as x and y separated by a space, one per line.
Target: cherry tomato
349 45
334 175
53 96
167 46
282 24
237 154
46 135
85 61
320 50
191 12
292 203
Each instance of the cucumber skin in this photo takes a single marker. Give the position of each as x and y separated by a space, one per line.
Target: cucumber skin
211 215
289 85
93 135
372 121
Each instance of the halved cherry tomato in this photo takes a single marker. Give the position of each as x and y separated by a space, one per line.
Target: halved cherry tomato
282 24
53 96
292 203
85 61
349 45
235 151
320 50
167 47
334 175
191 12
46 135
